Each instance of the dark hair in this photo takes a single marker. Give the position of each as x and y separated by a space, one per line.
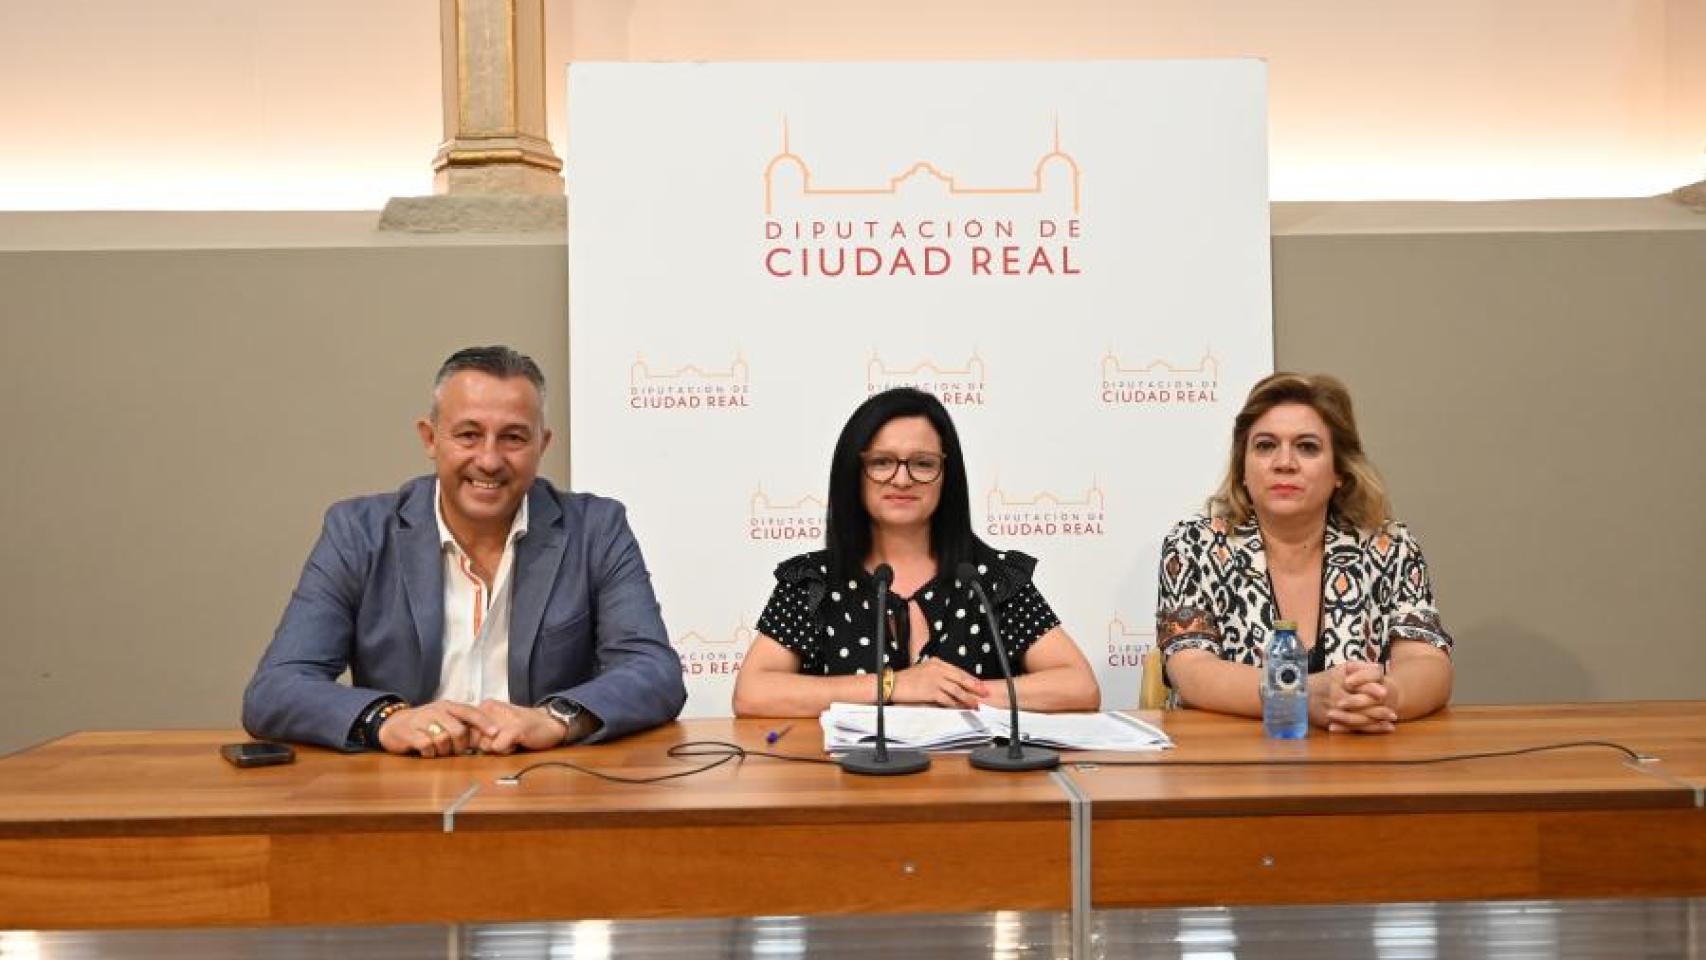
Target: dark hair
497 360
848 533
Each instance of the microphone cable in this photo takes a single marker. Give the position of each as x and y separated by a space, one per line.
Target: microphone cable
720 752
1628 754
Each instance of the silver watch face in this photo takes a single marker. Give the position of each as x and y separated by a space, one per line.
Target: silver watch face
567 711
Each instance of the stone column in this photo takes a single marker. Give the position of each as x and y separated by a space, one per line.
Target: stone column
494 100
1692 196
495 170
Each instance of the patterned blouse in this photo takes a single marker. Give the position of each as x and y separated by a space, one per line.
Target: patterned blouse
1216 595
830 625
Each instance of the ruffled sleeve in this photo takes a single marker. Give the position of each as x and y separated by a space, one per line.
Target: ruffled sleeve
1020 609
790 616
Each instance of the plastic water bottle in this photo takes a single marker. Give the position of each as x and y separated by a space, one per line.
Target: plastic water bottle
1285 684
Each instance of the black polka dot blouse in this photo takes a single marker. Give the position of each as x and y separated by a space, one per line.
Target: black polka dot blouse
831 625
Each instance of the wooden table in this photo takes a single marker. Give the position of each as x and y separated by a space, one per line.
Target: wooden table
1568 824
141 829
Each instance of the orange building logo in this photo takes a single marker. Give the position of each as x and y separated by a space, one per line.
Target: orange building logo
1127 647
922 220
1046 514
798 521
688 388
1054 177
955 385
714 654
1159 383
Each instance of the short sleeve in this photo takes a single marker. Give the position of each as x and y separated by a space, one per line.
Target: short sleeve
788 619
1024 618
1184 612
1413 615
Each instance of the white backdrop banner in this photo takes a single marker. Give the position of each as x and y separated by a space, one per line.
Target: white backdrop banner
1072 256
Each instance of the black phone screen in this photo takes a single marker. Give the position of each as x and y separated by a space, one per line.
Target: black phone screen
257 754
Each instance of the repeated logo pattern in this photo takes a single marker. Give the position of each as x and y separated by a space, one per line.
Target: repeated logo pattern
1159 383
715 654
689 387
771 521
1045 514
961 386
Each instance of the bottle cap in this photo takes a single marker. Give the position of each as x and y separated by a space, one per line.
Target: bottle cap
1286 625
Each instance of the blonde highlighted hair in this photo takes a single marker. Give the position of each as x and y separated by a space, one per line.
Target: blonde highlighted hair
1360 498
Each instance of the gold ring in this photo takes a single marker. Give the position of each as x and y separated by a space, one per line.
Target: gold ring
434 729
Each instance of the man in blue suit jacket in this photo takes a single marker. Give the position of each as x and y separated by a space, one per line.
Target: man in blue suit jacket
411 591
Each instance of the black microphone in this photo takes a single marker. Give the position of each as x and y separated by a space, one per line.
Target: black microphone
1015 756
879 761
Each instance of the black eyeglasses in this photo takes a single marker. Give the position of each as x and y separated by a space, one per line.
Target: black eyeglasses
921 467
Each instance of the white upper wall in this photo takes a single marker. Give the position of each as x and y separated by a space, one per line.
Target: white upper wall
334 104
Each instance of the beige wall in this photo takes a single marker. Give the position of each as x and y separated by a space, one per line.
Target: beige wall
210 104
333 104
1534 400
180 418
190 414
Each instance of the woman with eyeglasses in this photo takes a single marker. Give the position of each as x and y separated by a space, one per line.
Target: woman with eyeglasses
898 496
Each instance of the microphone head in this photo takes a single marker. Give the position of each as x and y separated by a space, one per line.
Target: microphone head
966 571
884 574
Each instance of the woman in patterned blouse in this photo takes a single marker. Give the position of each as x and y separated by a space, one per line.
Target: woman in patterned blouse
898 496
1300 530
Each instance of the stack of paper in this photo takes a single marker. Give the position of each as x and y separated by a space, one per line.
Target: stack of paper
1077 731
847 726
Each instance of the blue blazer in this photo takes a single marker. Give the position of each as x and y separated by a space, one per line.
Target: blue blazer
584 623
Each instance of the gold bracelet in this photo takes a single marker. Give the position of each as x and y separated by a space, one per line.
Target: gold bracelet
888 684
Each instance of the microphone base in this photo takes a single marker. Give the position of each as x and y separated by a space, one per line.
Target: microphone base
899 762
995 757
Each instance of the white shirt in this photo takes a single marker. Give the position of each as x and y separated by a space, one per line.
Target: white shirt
476 617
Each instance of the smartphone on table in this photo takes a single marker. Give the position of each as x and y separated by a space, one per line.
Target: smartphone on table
255 753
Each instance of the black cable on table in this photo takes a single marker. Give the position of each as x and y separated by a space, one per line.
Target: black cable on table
1631 755
721 752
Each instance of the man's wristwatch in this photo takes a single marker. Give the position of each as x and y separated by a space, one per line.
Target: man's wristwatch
569 714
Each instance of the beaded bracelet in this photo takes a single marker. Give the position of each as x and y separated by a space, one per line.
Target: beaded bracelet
376 719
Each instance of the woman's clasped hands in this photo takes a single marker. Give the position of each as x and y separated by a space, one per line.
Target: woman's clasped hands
1355 697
